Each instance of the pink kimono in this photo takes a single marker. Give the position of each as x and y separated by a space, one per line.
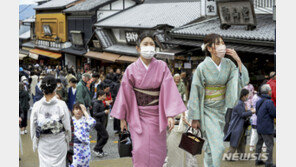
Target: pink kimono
147 124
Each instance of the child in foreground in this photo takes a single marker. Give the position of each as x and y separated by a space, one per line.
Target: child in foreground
83 123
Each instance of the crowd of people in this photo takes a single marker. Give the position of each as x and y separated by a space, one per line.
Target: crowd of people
145 99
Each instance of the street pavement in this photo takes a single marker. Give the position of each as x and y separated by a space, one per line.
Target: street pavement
30 159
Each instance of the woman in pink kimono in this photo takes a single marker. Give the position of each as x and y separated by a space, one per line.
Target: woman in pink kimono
148 100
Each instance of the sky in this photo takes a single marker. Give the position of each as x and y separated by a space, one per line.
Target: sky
26 2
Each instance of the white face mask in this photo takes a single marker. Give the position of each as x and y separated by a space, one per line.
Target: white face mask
148 51
221 50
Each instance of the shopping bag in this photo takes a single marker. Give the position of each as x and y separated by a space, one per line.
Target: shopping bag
192 143
125 144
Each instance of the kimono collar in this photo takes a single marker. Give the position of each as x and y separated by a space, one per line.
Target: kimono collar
217 66
52 101
141 63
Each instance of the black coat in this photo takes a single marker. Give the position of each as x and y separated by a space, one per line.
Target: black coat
24 99
236 125
99 111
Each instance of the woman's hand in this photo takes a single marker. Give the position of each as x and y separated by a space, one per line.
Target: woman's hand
233 54
195 124
83 108
123 125
20 120
171 123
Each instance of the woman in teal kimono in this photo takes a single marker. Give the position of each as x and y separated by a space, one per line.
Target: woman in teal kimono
215 87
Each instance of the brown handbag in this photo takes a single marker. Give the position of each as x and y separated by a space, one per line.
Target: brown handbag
191 142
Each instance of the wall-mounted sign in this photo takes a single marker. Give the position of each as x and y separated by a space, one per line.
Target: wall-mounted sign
131 37
47 30
236 12
211 8
77 38
187 65
33 56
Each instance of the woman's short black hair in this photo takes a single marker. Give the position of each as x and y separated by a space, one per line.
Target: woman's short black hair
244 92
48 84
209 40
144 35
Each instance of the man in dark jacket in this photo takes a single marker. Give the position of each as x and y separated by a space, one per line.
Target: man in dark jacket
95 85
236 129
99 112
266 112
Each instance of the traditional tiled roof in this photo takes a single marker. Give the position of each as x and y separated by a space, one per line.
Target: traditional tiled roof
87 5
105 38
265 30
54 4
149 15
25 35
122 49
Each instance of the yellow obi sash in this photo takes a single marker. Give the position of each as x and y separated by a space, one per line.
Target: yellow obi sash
215 92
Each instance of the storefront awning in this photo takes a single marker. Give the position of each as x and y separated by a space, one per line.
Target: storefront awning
127 59
46 53
21 56
102 56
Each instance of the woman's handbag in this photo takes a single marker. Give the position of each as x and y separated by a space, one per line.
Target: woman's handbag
192 143
125 144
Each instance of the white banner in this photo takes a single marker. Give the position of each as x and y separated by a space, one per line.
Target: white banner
33 56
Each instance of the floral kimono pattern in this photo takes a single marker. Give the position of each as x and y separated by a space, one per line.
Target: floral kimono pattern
81 148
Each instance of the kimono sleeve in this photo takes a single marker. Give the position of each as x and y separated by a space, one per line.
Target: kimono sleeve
89 123
170 100
122 102
236 81
33 125
196 95
66 122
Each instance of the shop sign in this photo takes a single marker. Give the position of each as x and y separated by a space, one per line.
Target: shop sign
47 30
237 12
211 9
131 37
33 56
187 65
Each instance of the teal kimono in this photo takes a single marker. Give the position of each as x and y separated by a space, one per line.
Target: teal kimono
212 92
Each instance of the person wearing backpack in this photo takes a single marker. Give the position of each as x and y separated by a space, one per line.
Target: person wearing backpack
266 112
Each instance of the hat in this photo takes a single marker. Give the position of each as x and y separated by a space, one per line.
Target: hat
23 78
21 69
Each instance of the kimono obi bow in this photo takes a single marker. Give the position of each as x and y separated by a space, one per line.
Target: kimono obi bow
147 97
215 92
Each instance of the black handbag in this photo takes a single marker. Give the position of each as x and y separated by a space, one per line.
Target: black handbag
125 144
192 143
